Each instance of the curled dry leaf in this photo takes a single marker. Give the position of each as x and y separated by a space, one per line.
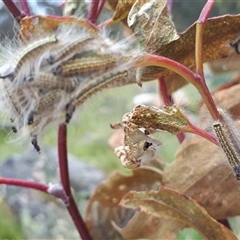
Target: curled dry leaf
144 225
170 119
201 169
38 26
151 24
215 46
122 8
103 206
171 204
139 148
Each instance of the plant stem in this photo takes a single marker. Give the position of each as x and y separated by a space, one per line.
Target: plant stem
13 9
199 36
25 184
203 89
148 59
25 7
64 175
168 101
198 131
95 10
100 7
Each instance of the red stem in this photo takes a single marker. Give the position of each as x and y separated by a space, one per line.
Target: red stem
206 11
95 10
25 7
168 101
100 7
196 130
148 59
13 9
25 184
92 13
64 175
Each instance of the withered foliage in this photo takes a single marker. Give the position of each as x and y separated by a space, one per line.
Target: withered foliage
198 187
157 33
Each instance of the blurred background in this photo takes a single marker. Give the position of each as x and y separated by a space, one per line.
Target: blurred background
32 215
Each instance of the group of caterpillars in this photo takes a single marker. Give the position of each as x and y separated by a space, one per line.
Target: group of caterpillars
45 80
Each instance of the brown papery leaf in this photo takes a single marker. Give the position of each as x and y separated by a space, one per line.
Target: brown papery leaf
38 26
215 46
169 203
151 24
103 205
201 169
170 119
144 225
122 8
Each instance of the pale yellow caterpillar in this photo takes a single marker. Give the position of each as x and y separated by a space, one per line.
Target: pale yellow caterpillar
86 90
228 137
88 64
49 81
50 76
45 103
68 50
27 56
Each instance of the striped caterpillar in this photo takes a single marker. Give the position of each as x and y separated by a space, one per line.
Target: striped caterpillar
46 79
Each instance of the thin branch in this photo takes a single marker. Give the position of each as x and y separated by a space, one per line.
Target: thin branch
25 184
64 175
100 7
13 9
168 101
199 36
25 7
95 10
92 13
200 132
148 59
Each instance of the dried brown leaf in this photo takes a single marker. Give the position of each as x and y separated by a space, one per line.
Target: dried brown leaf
138 148
171 204
122 8
103 205
41 25
143 225
170 119
151 24
215 46
201 169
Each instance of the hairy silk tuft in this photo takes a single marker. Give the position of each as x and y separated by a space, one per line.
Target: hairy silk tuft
45 80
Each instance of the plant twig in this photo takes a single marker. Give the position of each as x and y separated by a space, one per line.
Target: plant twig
25 7
168 101
100 7
199 35
198 131
199 59
25 184
95 10
64 175
13 9
148 59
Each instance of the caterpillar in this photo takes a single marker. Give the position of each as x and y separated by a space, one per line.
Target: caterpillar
47 78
